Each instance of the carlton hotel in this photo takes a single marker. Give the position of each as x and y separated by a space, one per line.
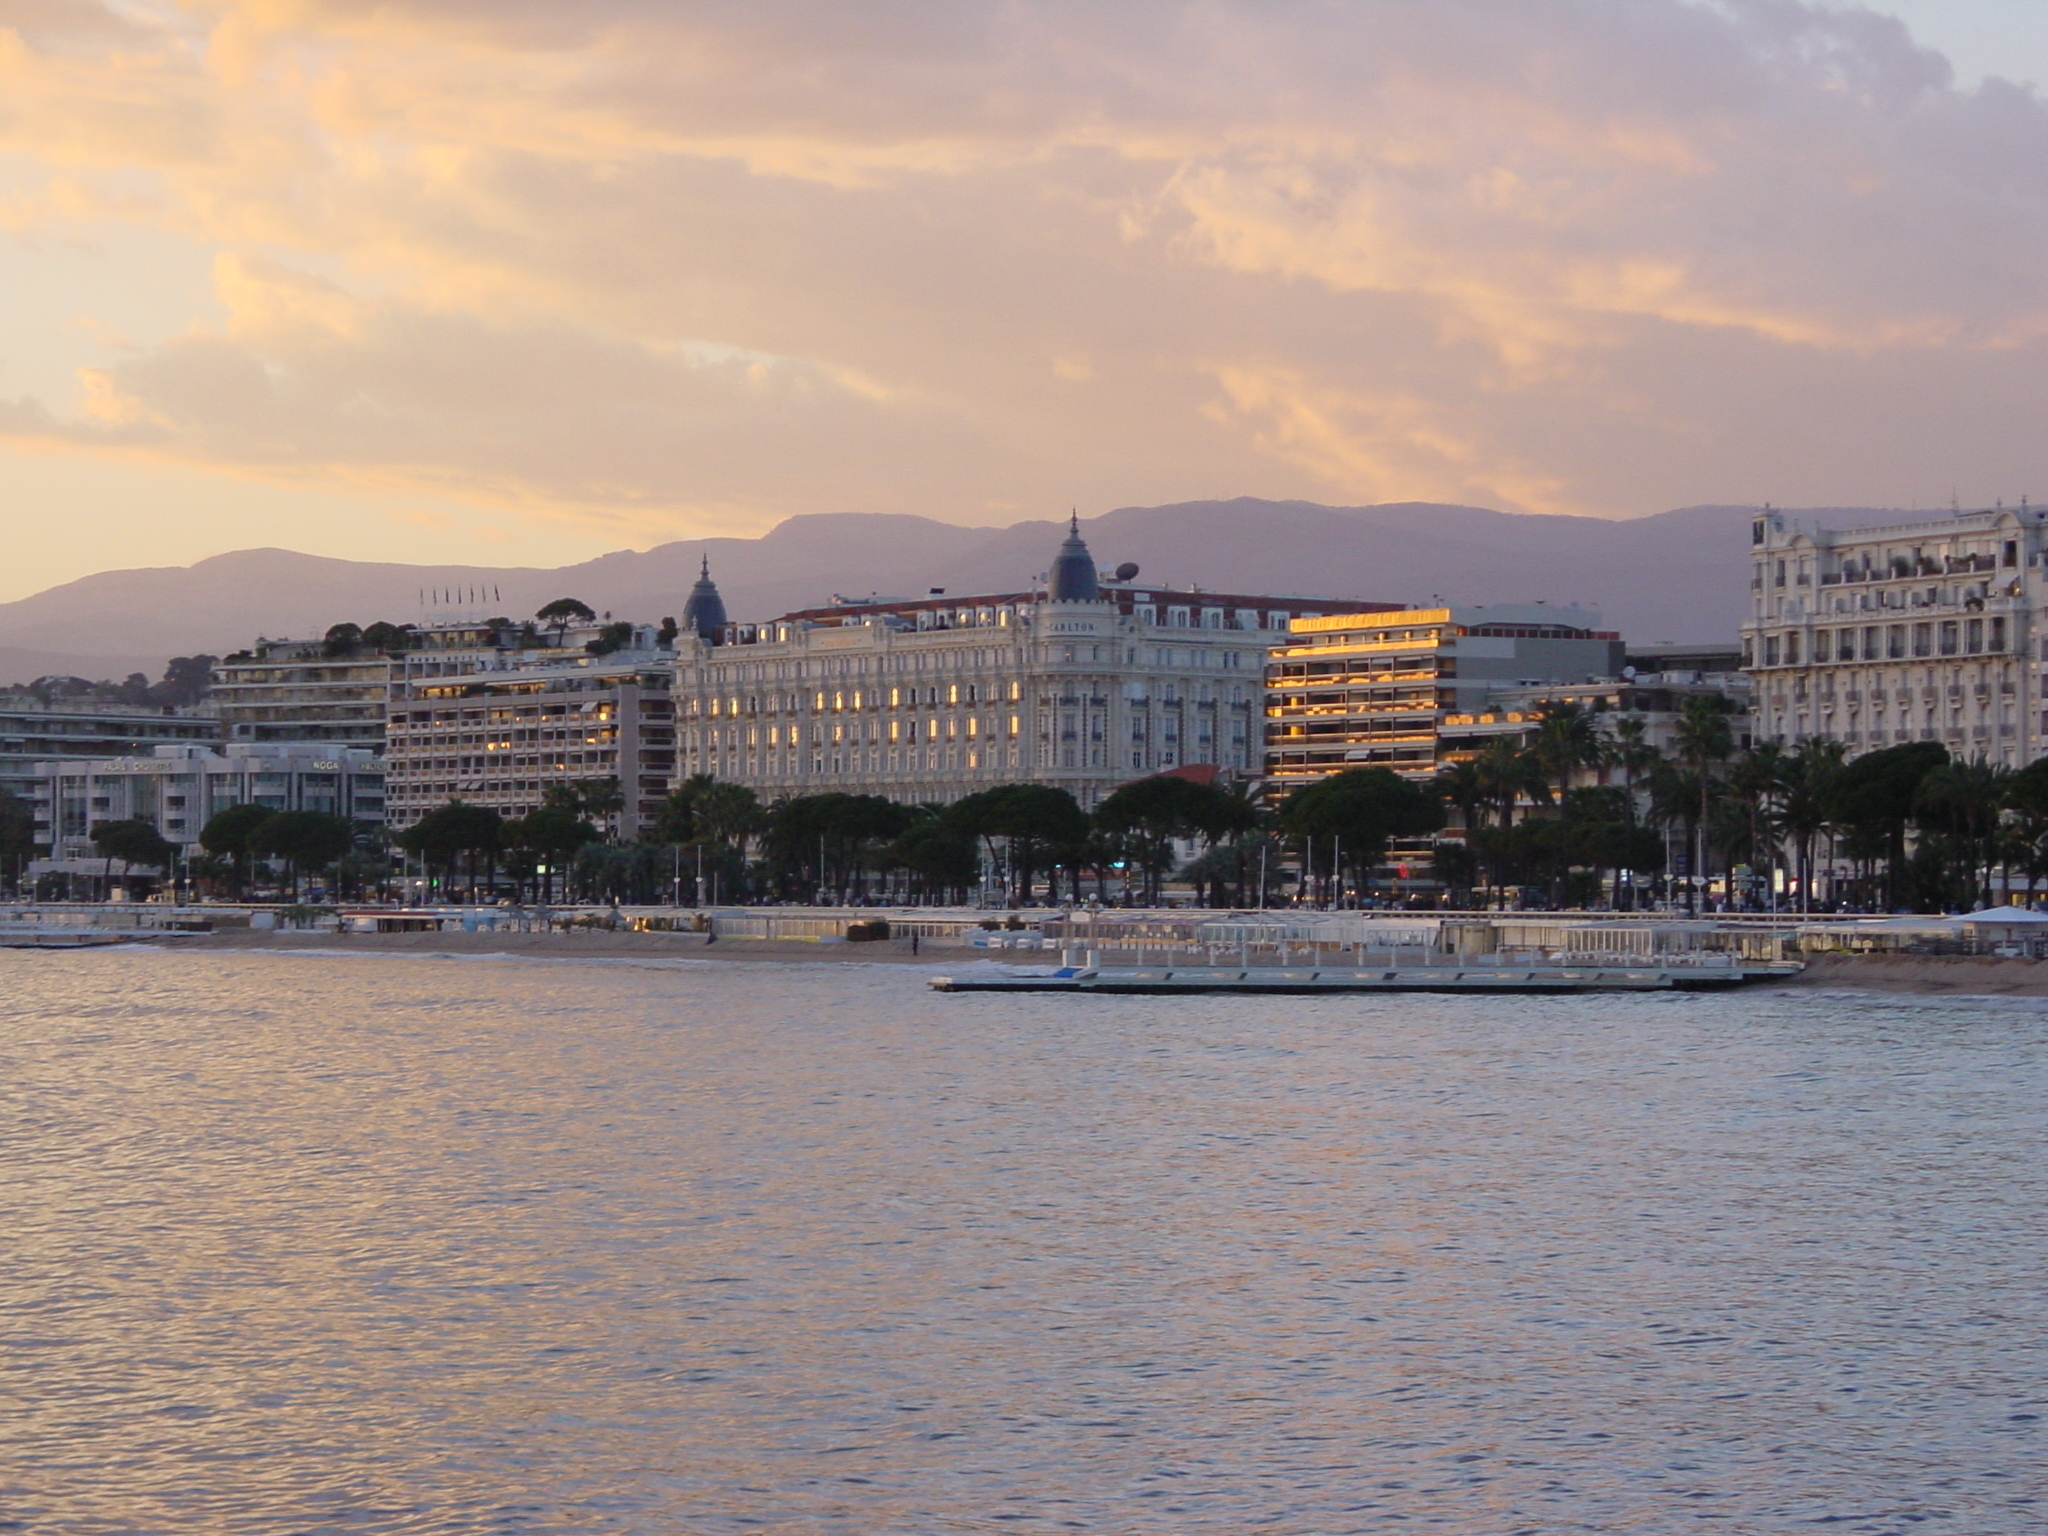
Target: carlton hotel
1086 684
1930 630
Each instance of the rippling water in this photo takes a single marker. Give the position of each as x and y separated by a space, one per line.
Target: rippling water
303 1244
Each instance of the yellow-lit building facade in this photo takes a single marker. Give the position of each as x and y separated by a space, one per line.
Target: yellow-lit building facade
1373 690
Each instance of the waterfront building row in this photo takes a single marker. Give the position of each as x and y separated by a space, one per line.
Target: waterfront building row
1086 681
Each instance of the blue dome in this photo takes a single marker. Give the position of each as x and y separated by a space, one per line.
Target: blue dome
704 613
1073 570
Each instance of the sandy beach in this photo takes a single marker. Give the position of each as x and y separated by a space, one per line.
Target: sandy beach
1960 975
585 944
1963 975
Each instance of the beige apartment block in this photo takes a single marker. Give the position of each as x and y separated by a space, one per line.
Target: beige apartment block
178 788
291 690
502 735
1085 684
34 730
1926 630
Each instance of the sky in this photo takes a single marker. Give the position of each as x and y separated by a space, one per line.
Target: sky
518 282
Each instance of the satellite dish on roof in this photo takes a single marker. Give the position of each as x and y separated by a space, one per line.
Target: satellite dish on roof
1628 674
1127 571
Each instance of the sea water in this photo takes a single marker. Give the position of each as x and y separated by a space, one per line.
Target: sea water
376 1244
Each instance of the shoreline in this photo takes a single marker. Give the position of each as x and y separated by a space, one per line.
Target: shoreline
1926 975
577 944
1917 975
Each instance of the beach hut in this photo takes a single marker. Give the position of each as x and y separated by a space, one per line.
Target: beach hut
2014 926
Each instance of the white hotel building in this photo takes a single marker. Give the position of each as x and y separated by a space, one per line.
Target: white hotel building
177 789
1086 685
1930 630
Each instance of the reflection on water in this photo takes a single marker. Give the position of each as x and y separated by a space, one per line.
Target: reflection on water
399 1245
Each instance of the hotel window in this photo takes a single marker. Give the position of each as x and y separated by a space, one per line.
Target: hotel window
1973 635
1948 637
1770 650
1923 639
1998 634
1895 642
1792 650
1177 618
1873 644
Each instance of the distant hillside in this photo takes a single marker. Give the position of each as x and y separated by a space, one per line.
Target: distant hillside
1676 576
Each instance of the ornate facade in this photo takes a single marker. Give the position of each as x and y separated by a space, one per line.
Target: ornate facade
1927 630
1085 684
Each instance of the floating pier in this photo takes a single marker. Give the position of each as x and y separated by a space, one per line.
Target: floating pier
1309 981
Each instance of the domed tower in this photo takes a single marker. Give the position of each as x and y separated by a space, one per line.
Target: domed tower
704 613
1073 569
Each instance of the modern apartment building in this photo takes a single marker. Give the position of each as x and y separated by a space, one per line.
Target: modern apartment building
297 690
1918 631
177 789
33 731
292 690
1655 701
1359 690
502 735
1085 684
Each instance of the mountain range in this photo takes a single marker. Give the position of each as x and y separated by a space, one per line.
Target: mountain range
1680 575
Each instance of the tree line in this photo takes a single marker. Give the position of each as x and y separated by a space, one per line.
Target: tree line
714 841
187 680
1577 811
1905 827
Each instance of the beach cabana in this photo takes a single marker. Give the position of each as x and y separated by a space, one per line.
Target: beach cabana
2015 920
2005 926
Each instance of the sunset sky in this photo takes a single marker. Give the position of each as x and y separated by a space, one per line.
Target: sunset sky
520 281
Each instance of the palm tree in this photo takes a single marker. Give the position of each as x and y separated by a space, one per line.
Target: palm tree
1461 787
1632 752
1703 742
1806 803
1969 797
1755 787
1506 775
1566 740
1679 799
